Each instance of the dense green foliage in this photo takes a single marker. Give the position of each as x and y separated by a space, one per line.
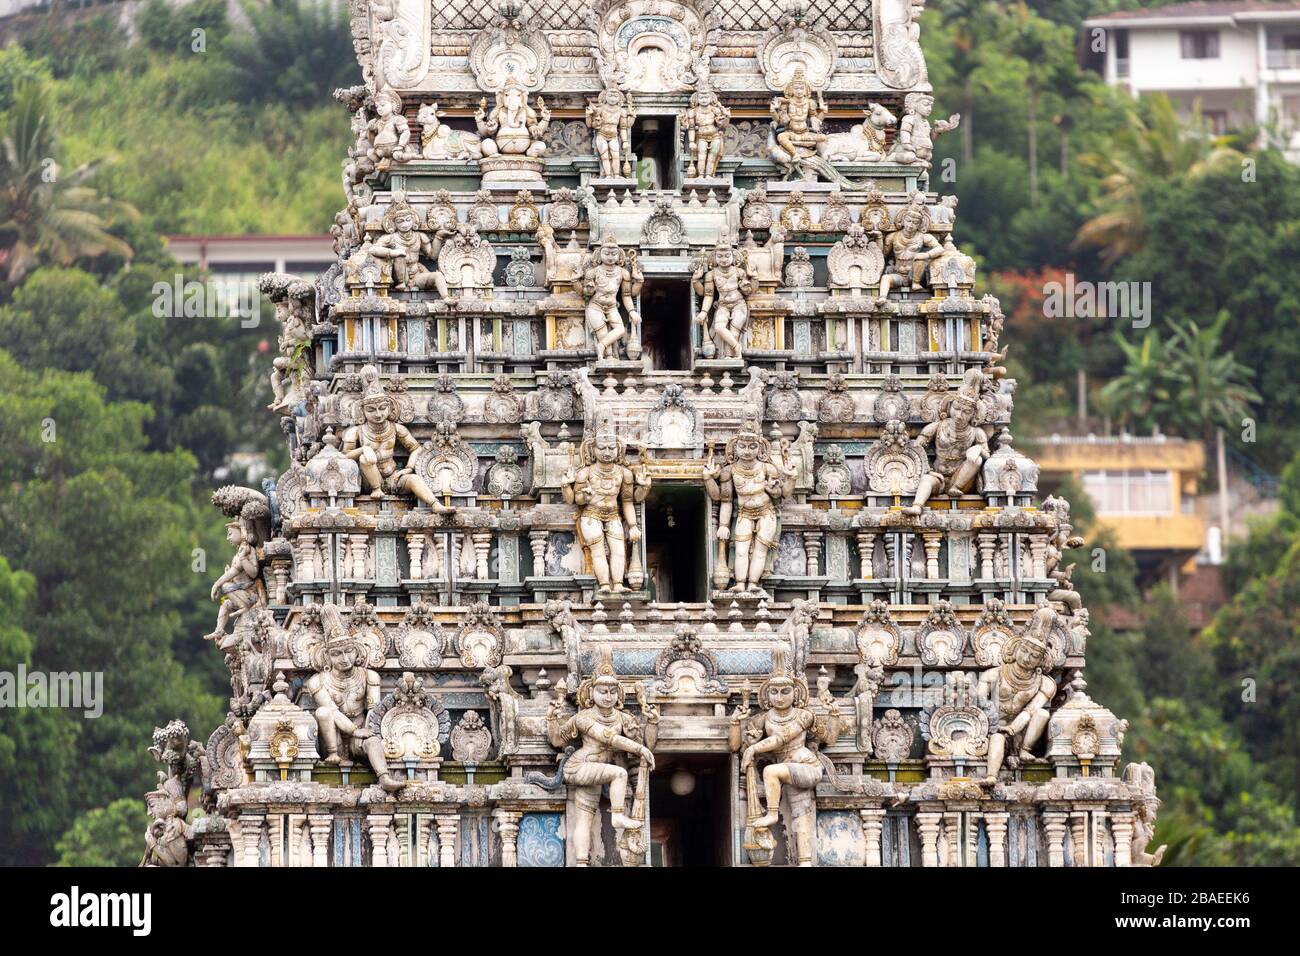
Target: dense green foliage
231 130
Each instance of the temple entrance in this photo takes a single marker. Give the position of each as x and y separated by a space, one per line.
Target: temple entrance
653 139
675 536
666 323
690 818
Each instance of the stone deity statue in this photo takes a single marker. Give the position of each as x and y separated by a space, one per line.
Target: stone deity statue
798 115
610 117
344 691
750 486
372 444
779 734
723 290
610 276
606 491
389 132
606 732
1021 691
512 127
910 250
705 120
915 144
405 245
960 446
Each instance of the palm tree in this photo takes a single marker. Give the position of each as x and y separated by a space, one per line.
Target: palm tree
47 214
1212 389
1153 145
1139 397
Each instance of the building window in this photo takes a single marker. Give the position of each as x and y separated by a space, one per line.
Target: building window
1216 121
1131 492
1199 44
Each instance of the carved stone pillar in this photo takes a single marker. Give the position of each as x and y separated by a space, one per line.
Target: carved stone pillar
927 825
379 825
988 543
1121 830
1079 838
905 562
360 545
423 826
403 827
537 540
415 549
866 553
995 825
508 827
1054 824
250 836
933 541
891 555
873 819
321 825
482 549
441 544
812 549
306 557
448 827
1038 555
213 853
280 571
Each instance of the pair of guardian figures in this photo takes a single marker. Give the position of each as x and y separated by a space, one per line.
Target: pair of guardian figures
749 486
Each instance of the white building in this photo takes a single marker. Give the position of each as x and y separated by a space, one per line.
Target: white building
1239 58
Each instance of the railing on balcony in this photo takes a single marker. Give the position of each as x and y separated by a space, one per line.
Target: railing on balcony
1283 59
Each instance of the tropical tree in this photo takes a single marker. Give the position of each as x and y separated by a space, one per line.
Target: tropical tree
1153 146
1211 388
48 214
1139 397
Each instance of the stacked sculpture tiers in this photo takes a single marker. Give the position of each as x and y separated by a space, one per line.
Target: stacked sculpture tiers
647 429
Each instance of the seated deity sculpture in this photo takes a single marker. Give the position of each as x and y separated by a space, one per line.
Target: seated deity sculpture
344 691
960 446
798 115
372 444
915 143
610 117
389 132
750 487
405 245
779 733
606 491
605 731
723 289
910 250
705 120
610 276
1021 691
512 127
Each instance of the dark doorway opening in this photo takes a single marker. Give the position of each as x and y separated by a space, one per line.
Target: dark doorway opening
666 323
675 535
690 811
654 141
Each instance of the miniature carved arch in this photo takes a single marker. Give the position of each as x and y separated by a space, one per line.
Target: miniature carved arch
652 46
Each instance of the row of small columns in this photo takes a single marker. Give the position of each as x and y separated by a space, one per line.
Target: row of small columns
987 542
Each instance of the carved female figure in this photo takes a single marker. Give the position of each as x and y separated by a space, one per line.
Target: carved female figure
723 290
781 732
605 282
606 732
610 118
607 492
751 486
705 120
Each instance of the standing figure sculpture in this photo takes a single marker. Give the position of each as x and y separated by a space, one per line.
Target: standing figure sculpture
750 486
960 446
605 731
372 443
606 491
609 276
781 732
1021 692
723 290
705 121
610 117
512 127
798 115
344 690
405 245
915 145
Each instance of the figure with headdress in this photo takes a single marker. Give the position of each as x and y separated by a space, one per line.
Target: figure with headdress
960 445
240 587
915 145
909 249
606 491
389 132
372 444
404 244
705 119
512 127
610 276
610 117
750 487
606 731
779 735
798 115
724 289
344 690
1021 691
